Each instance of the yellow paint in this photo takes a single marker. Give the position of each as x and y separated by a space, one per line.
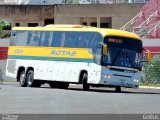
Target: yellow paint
46 52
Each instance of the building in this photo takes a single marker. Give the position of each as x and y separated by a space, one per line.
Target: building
100 15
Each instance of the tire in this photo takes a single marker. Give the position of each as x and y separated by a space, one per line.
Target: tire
30 80
22 79
86 86
118 89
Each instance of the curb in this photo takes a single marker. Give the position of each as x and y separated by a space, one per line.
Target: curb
149 87
8 83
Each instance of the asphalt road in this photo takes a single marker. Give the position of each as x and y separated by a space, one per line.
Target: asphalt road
44 100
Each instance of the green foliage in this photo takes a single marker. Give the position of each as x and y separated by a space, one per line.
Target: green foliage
151 72
1 28
3 34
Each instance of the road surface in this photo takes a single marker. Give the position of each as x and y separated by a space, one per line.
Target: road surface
44 100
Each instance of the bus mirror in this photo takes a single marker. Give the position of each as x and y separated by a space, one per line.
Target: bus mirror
104 49
149 56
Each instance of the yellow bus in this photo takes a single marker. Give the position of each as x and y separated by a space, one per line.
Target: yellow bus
64 54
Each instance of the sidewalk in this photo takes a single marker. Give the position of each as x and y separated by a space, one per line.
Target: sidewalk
149 87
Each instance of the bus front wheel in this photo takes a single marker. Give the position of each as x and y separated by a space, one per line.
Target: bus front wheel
86 86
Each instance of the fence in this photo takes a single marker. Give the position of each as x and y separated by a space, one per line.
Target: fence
151 72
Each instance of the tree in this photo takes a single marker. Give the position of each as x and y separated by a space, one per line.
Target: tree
4 34
1 29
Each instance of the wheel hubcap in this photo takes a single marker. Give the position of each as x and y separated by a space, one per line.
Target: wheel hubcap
22 79
30 79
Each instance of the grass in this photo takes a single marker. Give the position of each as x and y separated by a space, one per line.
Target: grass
150 85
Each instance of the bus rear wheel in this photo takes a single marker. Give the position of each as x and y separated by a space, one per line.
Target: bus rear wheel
86 86
30 80
22 79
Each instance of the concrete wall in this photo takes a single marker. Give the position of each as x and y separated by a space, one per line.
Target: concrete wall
4 43
26 14
118 14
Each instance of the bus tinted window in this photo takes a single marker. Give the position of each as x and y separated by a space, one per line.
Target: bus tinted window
46 38
56 39
19 38
76 39
33 38
13 40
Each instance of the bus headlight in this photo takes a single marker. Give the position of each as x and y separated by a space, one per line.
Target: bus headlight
108 76
136 80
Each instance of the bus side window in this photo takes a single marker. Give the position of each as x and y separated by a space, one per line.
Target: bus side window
33 39
68 39
97 38
63 39
14 36
50 37
42 38
80 40
75 40
46 38
56 39
85 40
71 40
22 38
29 38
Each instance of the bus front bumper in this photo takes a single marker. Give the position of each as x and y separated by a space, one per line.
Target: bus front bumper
113 80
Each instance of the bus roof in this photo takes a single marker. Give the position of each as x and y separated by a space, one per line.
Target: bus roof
104 32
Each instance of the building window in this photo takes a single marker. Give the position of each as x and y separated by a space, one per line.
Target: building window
105 25
84 23
94 24
48 21
17 24
32 24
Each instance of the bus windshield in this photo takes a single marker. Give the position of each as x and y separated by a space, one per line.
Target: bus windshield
123 52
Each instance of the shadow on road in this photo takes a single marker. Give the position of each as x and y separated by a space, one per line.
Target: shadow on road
104 90
113 91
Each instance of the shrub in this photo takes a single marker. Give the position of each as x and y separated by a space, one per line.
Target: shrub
151 71
3 34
